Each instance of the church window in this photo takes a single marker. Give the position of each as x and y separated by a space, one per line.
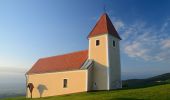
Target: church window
97 42
114 43
65 83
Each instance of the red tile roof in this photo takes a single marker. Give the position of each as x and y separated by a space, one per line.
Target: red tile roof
71 61
103 26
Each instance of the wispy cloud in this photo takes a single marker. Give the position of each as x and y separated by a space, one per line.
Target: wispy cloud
165 43
118 23
143 41
164 26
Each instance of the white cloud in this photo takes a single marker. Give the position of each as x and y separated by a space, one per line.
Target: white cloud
118 24
164 26
143 41
134 50
165 43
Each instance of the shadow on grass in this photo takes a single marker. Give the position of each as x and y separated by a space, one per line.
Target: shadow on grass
94 92
126 99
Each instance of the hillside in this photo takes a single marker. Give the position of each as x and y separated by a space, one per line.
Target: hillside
154 88
156 80
160 92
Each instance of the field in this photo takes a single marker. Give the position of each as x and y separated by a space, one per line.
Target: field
154 88
157 92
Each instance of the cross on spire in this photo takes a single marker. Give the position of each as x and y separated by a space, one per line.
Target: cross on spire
104 8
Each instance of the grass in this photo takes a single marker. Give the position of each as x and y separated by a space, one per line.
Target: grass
159 92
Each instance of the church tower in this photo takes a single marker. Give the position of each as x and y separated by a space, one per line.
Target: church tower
104 50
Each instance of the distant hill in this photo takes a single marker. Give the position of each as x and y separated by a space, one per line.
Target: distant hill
156 80
12 89
5 95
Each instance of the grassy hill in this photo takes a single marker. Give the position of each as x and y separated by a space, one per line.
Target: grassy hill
159 92
154 88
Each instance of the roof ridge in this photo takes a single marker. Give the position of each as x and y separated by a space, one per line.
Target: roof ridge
95 26
73 52
106 22
69 61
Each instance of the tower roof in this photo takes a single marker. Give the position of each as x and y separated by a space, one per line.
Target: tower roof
104 26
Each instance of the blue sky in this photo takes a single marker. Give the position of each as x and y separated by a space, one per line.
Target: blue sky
31 29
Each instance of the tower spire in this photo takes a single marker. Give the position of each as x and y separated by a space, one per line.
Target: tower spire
104 26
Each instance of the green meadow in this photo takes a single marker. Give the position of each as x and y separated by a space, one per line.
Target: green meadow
155 92
153 88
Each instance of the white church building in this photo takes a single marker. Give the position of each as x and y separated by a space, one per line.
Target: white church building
97 68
